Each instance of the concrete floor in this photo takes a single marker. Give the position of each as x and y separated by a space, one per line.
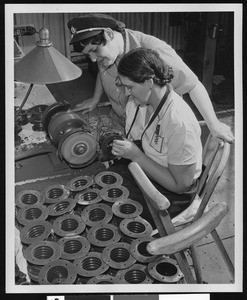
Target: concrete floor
213 267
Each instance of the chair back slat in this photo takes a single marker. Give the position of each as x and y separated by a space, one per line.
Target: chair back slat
213 172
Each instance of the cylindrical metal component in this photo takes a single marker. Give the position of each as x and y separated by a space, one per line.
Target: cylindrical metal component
102 279
96 214
103 235
118 256
43 252
58 272
74 247
30 213
80 183
35 231
139 252
136 274
90 265
61 207
89 196
136 227
68 225
33 271
29 197
108 178
165 270
105 143
114 193
55 193
127 208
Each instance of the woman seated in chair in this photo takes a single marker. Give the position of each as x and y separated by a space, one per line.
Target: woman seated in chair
164 126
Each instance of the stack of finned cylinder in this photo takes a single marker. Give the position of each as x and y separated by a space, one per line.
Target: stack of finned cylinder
89 231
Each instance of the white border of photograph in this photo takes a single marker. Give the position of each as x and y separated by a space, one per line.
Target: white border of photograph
10 10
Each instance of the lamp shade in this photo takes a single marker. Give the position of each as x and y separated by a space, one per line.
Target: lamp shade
44 64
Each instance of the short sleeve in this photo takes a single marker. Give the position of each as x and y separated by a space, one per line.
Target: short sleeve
183 145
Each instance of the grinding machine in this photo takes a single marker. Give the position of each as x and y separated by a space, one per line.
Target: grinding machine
70 135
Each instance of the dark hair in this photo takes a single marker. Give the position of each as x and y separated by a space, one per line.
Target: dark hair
98 39
141 64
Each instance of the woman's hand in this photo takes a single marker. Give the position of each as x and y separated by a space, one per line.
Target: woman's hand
221 131
126 149
87 105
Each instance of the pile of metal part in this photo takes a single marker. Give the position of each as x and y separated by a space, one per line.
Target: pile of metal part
89 231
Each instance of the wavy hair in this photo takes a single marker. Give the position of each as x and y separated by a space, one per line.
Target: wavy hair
141 64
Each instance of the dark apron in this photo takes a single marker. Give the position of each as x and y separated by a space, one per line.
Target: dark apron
179 202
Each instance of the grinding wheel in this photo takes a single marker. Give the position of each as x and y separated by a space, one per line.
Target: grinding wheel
78 148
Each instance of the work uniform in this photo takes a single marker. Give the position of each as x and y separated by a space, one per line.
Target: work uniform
184 79
174 137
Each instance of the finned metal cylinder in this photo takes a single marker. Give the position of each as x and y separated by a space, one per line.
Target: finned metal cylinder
127 208
96 214
102 279
114 193
139 252
57 272
55 193
80 183
74 247
108 178
165 270
90 265
103 235
35 231
89 196
43 252
33 271
136 274
136 227
29 197
31 213
61 207
68 225
118 256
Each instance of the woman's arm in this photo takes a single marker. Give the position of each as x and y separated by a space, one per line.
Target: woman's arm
200 98
91 103
174 178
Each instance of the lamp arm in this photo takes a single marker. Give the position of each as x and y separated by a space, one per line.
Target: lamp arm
24 101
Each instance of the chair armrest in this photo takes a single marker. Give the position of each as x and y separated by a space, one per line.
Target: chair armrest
156 199
191 234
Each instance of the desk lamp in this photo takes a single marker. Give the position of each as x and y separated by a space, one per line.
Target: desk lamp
44 65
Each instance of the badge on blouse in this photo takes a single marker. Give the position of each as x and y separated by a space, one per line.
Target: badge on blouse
157 140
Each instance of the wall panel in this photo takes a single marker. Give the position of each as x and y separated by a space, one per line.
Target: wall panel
156 24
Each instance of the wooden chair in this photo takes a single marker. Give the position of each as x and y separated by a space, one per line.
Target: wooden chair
174 242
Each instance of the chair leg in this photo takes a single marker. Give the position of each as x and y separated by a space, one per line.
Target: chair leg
223 252
165 227
196 264
166 222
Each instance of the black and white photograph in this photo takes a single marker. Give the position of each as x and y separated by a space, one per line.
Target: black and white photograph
123 148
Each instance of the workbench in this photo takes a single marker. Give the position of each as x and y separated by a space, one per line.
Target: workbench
38 166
